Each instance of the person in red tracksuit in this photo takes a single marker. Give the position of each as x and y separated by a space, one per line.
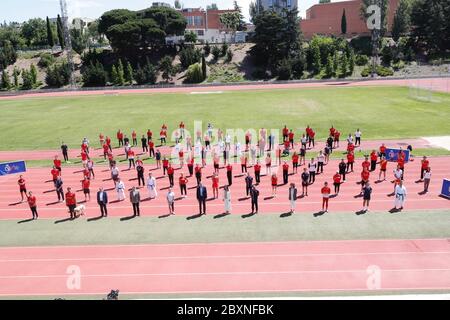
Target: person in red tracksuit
291 138
190 165
425 164
165 164
32 202
285 133
366 163
365 174
350 161
183 185
22 187
151 148
215 185
105 150
55 174
108 142
57 163
229 174
120 137
257 168
325 191
337 182
134 137
337 134
295 159
373 160
312 134
285 172
383 166
170 172
85 185
198 173
71 202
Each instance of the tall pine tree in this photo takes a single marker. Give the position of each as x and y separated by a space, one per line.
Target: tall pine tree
60 30
343 23
50 39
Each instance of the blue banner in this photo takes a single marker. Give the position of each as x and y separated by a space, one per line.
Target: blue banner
446 188
12 167
392 154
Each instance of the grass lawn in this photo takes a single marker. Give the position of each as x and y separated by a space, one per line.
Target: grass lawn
233 228
380 112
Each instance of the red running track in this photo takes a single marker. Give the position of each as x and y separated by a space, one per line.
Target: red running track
361 265
436 84
39 181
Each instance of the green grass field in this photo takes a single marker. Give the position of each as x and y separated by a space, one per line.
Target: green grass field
380 112
265 227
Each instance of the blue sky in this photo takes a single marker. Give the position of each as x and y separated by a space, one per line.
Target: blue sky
20 10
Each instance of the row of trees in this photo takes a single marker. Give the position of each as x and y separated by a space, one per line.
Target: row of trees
29 79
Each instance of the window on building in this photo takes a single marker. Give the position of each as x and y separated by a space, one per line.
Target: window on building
270 3
200 32
289 3
198 20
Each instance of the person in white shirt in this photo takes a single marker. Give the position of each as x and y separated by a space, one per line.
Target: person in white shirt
120 188
228 142
253 154
151 186
400 196
171 201
238 151
426 180
320 161
398 174
358 134
312 171
227 199
350 138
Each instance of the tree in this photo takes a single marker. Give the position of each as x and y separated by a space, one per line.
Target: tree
351 61
190 37
94 75
131 32
316 59
58 75
27 83
177 4
5 83
120 73
60 32
216 52
79 40
277 37
402 20
231 21
329 72
284 70
189 56
194 74
252 10
212 6
204 67
167 69
16 74
34 32
114 75
33 74
343 64
50 37
129 73
8 54
343 23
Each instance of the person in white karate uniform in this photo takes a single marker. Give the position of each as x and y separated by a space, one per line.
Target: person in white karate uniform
120 187
400 196
151 186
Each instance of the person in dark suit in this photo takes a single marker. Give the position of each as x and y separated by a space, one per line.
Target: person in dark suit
135 199
254 194
202 195
248 183
102 200
292 196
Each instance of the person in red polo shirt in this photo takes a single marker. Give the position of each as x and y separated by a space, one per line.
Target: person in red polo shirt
401 162
350 147
120 137
257 168
165 164
274 184
85 185
170 173
383 167
57 163
382 152
101 138
312 134
130 157
149 134
373 160
190 165
366 163
291 138
108 143
22 188
71 202
84 157
337 182
285 133
337 134
55 174
105 150
325 191
425 164
295 159
365 174
151 148
181 158
332 131
134 137
183 181
215 185
32 202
